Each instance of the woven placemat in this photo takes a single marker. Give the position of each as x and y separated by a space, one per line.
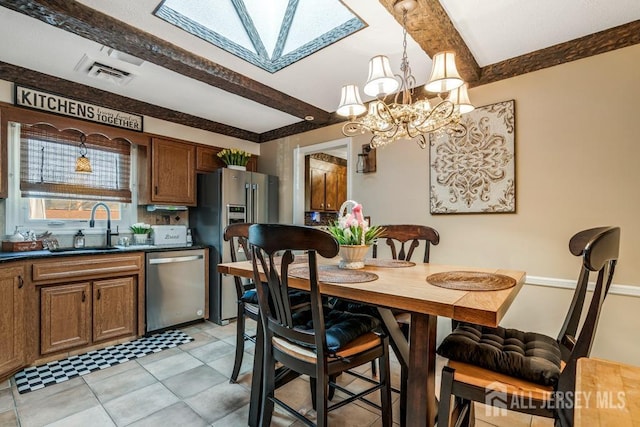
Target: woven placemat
334 274
388 263
471 281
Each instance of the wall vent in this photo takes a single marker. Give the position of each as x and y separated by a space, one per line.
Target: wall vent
110 74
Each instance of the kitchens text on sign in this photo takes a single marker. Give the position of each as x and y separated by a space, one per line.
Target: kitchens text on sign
39 100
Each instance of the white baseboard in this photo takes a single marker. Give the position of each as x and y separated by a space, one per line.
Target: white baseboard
551 282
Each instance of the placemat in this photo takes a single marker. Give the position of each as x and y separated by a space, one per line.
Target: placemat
388 263
471 281
334 274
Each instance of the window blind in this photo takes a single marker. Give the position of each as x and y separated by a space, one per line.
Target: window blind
48 158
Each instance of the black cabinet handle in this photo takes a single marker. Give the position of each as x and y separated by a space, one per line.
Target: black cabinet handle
20 282
156 190
84 296
98 294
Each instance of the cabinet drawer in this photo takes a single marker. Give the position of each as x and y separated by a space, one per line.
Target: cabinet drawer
64 269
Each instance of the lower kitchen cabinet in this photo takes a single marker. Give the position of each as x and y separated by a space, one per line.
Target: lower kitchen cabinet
80 314
65 317
12 324
50 307
114 308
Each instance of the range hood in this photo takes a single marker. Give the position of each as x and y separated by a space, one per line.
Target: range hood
166 208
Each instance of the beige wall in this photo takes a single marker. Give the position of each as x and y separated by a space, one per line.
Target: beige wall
576 165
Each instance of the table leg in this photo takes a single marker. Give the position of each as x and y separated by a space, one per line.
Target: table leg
255 404
401 348
398 340
421 383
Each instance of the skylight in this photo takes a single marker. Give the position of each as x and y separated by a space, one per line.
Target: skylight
271 34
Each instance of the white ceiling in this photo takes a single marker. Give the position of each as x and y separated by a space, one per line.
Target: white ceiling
494 30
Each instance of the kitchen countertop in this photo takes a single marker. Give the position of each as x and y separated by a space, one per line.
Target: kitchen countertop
18 256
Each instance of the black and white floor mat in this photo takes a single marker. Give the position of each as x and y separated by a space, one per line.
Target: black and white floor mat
38 377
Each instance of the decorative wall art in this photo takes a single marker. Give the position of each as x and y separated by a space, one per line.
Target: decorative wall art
475 173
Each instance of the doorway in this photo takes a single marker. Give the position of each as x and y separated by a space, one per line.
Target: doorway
337 148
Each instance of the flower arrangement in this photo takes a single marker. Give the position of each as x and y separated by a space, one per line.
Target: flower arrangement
140 228
352 228
231 156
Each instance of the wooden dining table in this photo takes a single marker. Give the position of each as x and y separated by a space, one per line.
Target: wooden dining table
607 394
405 289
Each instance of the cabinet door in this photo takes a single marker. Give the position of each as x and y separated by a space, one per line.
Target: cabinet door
173 172
114 308
317 189
331 191
12 327
207 159
342 186
65 317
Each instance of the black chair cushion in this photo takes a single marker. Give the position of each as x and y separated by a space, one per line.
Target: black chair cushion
341 327
296 297
527 355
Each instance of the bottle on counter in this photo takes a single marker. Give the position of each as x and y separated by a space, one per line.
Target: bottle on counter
78 240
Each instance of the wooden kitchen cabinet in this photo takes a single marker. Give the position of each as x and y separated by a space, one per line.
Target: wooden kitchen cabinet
327 183
65 317
12 320
88 300
207 160
331 190
114 308
342 187
173 172
317 189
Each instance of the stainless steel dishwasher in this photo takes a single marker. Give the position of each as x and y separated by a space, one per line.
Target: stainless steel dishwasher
175 287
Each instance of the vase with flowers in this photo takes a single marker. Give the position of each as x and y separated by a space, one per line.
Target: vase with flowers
354 235
140 232
234 159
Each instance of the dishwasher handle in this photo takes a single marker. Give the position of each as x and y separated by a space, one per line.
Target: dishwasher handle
175 259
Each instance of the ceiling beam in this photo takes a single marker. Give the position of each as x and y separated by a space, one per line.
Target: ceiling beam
430 26
90 24
78 91
583 47
297 128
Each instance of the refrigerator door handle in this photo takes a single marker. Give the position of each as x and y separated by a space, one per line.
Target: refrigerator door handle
255 202
248 199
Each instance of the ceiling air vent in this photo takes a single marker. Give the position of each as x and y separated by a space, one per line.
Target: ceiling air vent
110 74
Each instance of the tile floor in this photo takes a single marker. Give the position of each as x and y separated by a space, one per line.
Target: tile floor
187 386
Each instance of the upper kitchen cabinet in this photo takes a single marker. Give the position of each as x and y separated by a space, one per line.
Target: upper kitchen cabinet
173 176
326 182
207 160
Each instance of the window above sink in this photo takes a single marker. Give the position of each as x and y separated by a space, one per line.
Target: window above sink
44 195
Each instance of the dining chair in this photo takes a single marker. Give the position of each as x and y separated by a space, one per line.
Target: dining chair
510 369
237 235
320 342
396 236
246 297
403 240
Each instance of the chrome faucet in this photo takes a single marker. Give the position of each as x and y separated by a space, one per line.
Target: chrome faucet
92 221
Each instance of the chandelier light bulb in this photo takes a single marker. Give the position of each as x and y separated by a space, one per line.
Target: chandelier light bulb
460 99
444 74
350 103
381 80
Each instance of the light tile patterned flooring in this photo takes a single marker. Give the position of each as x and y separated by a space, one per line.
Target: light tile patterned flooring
188 386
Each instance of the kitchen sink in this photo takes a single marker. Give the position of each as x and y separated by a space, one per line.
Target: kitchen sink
86 249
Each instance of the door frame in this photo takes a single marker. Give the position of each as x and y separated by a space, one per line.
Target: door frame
299 154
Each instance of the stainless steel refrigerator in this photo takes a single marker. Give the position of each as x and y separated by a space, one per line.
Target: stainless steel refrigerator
225 197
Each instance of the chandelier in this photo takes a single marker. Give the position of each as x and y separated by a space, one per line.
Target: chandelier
403 118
